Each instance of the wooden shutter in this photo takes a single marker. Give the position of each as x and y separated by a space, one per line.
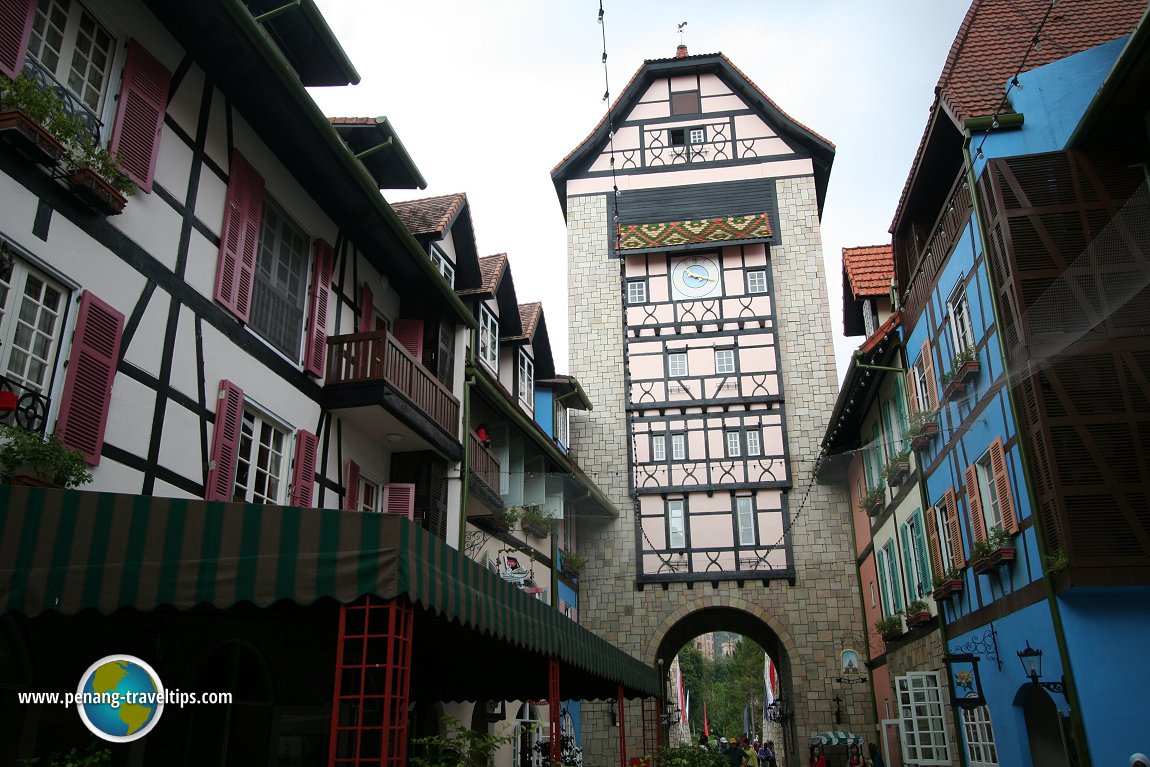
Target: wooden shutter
1002 485
934 543
240 237
446 354
140 113
950 503
351 487
974 501
317 314
15 29
303 473
883 583
399 498
409 333
366 308
921 558
911 391
928 375
220 482
91 370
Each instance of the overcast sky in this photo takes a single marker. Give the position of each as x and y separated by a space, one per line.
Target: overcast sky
489 96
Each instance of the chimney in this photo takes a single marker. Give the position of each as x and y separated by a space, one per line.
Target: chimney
681 52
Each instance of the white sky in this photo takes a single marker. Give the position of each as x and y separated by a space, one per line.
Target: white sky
489 96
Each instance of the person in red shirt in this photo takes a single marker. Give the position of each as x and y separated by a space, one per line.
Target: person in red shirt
817 758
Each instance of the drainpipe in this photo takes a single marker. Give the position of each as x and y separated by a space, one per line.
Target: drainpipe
1070 686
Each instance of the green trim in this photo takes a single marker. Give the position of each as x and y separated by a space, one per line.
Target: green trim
309 112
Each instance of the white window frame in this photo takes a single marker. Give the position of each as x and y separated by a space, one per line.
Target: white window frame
443 265
915 548
734 443
944 544
678 447
745 516
978 733
33 344
676 524
525 379
677 364
636 291
890 581
961 328
724 361
562 425
918 373
261 429
370 494
658 447
757 281
104 106
922 714
754 443
489 339
697 136
988 493
282 274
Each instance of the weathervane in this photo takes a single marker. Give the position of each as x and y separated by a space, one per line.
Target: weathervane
681 33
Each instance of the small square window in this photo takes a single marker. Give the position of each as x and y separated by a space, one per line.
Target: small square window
698 136
637 291
678 136
685 103
724 361
757 281
677 364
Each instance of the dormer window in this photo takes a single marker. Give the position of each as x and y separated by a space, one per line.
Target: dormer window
489 339
526 382
445 267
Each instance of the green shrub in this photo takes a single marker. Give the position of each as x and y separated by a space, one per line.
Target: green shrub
49 459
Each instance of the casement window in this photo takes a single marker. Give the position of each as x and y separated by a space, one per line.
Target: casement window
873 457
370 495
914 546
944 534
32 307
676 525
63 46
562 425
757 281
678 447
489 339
988 493
923 381
636 291
443 265
658 447
361 493
978 733
754 443
677 364
889 580
724 361
920 705
526 380
962 332
279 288
685 103
734 444
697 135
92 362
745 514
252 454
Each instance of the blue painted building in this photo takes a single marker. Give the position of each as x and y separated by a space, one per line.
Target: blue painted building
1022 256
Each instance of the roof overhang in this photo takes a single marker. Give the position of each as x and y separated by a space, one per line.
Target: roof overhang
1116 115
568 391
375 143
302 33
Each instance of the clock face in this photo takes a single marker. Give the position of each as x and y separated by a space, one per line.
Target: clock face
695 277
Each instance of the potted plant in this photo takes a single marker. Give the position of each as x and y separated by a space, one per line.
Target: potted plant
460 746
897 467
573 563
889 627
506 518
993 551
25 112
964 368
535 523
873 500
922 425
29 458
947 584
1058 561
917 614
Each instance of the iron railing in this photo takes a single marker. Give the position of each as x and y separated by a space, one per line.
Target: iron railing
31 407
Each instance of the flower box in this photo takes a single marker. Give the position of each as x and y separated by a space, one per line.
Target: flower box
958 379
947 589
994 559
29 138
891 635
897 472
95 192
916 619
536 531
923 439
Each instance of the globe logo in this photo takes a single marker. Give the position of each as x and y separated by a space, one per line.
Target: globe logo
120 698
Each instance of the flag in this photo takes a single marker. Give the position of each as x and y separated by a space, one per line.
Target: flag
686 712
768 681
682 703
706 727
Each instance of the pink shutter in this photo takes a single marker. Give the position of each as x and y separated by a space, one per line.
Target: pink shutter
399 498
366 309
908 380
91 370
303 474
225 443
974 501
928 374
351 490
240 237
409 333
140 115
933 542
1002 485
957 556
15 29
317 317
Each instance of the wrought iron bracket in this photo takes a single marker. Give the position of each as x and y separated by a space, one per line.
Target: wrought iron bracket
984 646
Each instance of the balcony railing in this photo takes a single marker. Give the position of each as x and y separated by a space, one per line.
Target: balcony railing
378 356
483 463
930 251
72 105
29 407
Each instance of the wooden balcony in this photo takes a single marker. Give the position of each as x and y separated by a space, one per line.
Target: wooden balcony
358 358
484 469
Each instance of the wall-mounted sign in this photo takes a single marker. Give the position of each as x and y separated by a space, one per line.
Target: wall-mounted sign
850 670
965 682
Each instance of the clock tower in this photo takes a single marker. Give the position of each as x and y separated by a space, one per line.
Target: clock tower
701 332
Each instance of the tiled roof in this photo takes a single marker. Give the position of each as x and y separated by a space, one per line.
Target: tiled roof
431 215
869 269
352 120
491 268
529 316
881 333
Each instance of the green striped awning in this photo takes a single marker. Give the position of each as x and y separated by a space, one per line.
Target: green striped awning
68 550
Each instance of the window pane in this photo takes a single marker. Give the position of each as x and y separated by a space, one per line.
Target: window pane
279 289
724 360
637 291
746 517
733 444
659 448
678 446
753 442
757 281
677 534
677 364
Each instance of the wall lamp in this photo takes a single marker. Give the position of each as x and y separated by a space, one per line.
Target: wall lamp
1031 660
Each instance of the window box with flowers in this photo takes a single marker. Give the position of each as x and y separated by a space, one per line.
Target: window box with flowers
897 468
572 563
917 614
535 523
25 111
922 428
873 500
993 552
964 369
947 585
890 627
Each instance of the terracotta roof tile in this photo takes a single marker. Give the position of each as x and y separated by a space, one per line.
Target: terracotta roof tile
353 120
431 215
491 268
869 269
529 316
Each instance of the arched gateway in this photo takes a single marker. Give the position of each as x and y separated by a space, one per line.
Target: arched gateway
703 342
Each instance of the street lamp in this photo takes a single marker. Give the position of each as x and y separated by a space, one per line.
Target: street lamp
1031 660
